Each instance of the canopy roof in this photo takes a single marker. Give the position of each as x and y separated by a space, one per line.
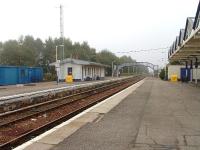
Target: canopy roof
188 46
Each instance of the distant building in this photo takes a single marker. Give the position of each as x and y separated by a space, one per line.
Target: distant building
80 69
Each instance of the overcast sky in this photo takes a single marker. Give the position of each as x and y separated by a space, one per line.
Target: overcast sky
117 25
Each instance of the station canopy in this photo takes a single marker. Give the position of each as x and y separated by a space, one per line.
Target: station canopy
187 44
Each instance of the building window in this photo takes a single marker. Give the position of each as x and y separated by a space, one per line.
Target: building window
69 70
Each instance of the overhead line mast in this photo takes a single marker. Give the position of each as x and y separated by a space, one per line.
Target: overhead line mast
61 44
62 29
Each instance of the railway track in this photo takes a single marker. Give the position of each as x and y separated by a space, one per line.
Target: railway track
11 103
23 124
36 109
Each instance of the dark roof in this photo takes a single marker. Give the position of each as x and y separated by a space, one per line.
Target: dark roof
188 27
80 62
196 21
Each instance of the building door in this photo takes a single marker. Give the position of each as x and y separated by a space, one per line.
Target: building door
69 71
30 75
185 74
23 75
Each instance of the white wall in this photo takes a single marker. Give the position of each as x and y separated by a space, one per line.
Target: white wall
76 70
174 70
196 73
102 72
94 71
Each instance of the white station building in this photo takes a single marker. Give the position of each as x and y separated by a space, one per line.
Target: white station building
81 70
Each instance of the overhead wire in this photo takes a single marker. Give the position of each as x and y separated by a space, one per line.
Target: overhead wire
144 50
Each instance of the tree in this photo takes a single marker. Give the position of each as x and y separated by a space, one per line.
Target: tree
10 55
69 49
1 46
125 59
106 57
39 47
27 51
162 74
48 54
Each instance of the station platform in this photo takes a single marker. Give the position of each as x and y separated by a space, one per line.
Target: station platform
150 115
34 87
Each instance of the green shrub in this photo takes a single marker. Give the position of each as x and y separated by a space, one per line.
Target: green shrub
49 77
162 74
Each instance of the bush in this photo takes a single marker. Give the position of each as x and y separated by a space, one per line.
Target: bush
162 74
49 77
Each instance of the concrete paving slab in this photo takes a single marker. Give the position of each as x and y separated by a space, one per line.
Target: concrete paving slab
88 117
169 116
189 147
193 140
39 146
60 134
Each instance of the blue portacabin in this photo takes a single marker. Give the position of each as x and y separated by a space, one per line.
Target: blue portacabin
10 75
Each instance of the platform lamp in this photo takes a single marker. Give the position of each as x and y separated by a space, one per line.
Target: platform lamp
113 68
196 62
191 70
196 67
57 66
186 70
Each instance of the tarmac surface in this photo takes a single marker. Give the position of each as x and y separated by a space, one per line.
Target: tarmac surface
158 115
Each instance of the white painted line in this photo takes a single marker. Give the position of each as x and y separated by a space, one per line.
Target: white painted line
23 146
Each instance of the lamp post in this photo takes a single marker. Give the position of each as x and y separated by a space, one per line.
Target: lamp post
57 65
113 68
56 53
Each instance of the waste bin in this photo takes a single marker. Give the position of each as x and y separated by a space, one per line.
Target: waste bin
174 78
69 79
